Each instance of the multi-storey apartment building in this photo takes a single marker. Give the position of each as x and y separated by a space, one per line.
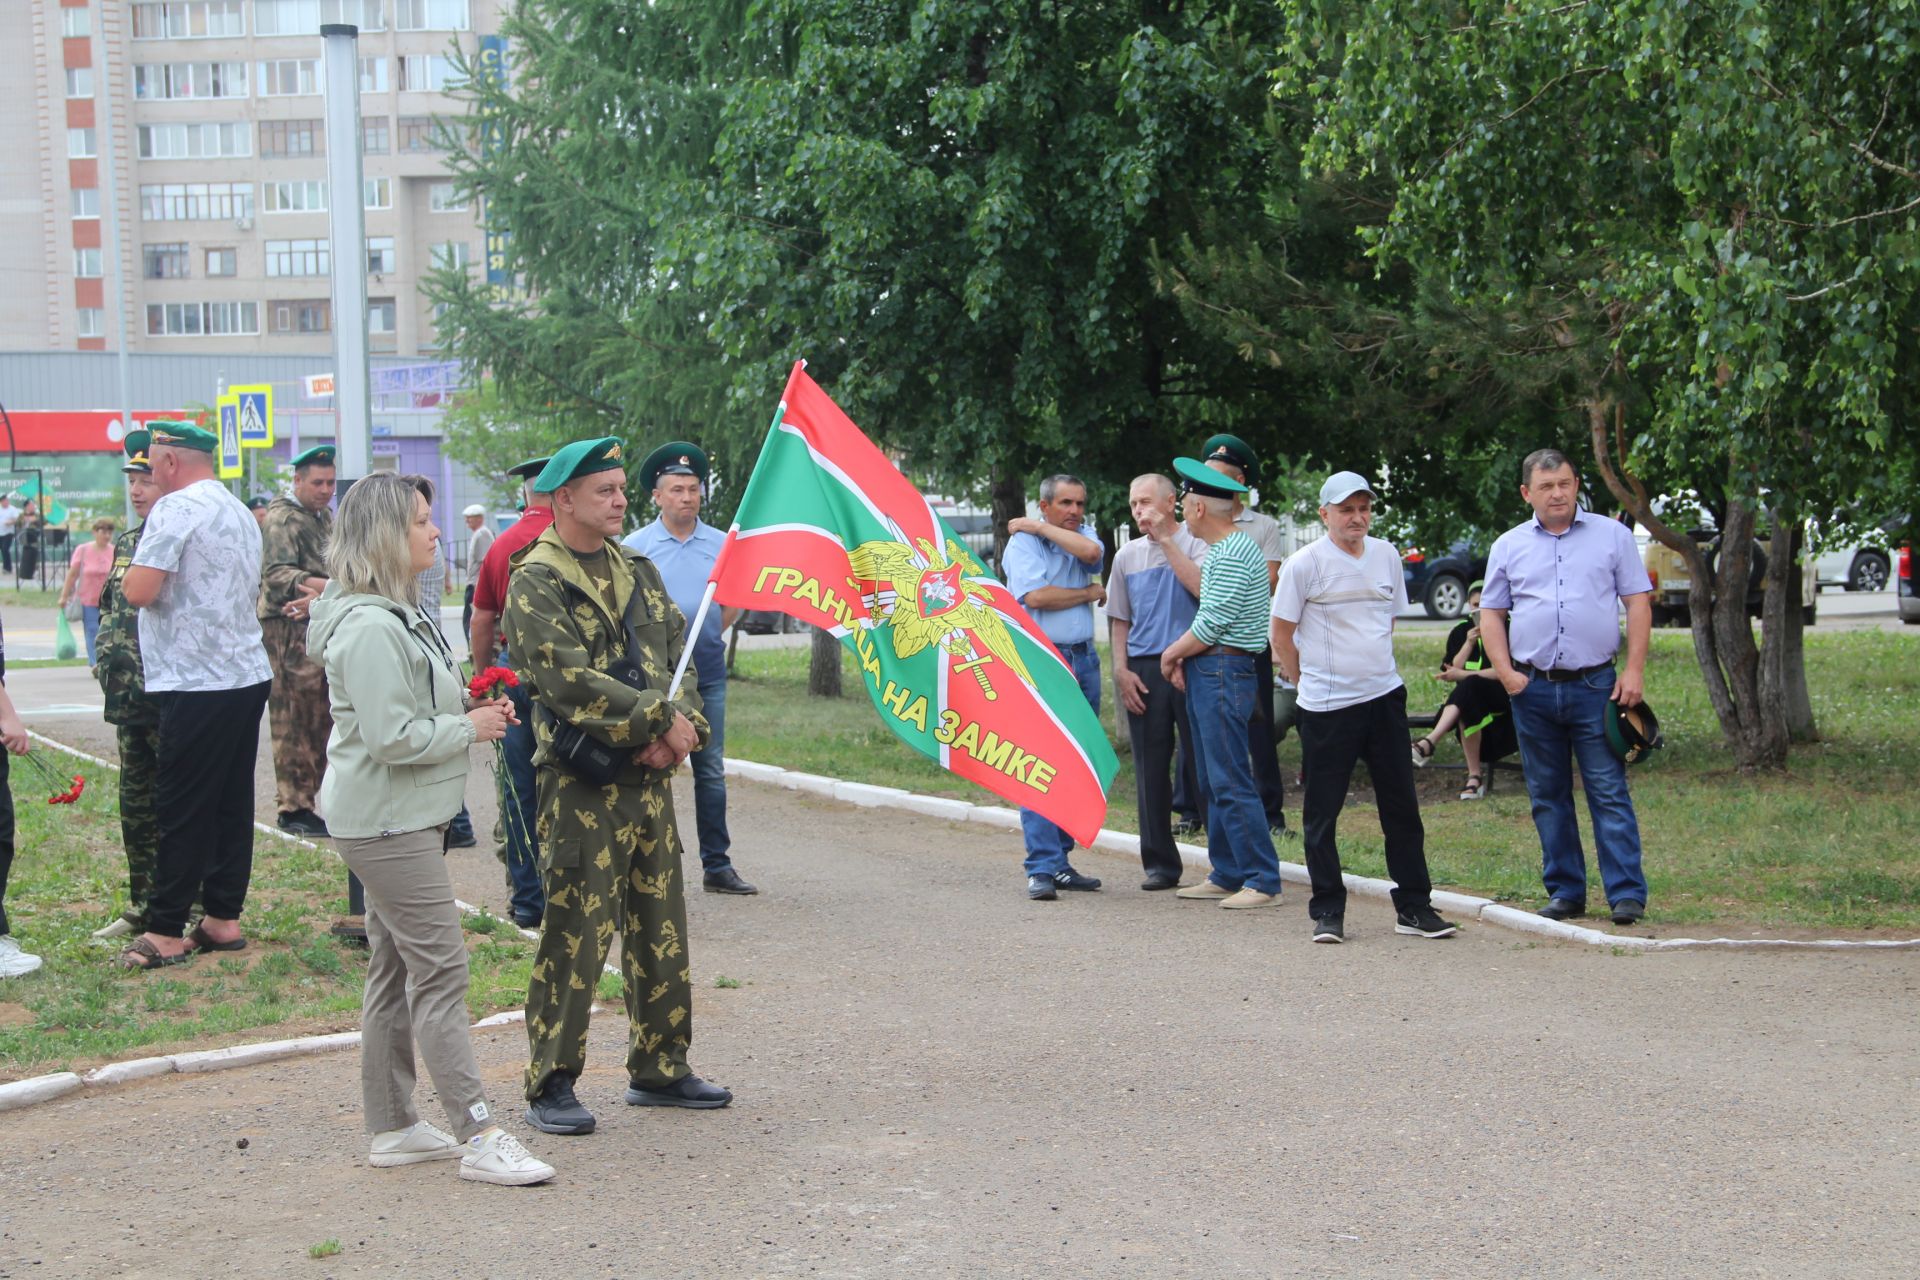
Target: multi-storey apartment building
219 171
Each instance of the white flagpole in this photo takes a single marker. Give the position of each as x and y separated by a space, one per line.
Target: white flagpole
686 654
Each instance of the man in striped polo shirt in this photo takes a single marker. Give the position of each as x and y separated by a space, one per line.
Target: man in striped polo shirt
1213 662
1333 615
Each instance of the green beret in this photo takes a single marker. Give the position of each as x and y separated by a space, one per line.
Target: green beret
530 468
321 455
1198 477
1234 450
674 458
581 458
136 445
183 435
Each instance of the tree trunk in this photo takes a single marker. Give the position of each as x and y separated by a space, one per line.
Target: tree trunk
1009 503
823 665
1783 660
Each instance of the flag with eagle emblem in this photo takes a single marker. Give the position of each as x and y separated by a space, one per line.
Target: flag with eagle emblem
830 533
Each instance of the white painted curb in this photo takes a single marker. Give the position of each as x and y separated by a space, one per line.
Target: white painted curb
1485 910
25 1093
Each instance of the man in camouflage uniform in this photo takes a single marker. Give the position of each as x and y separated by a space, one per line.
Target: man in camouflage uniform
609 855
134 716
293 571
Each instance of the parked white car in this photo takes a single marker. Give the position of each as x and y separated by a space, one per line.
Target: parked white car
1853 568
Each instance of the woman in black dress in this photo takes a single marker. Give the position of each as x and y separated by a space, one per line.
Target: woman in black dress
1476 709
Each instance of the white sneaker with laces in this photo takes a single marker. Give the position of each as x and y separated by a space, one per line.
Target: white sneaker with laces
13 961
415 1144
496 1156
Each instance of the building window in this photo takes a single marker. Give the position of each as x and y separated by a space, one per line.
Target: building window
173 80
430 15
380 313
86 264
164 261
289 77
223 262
416 134
195 319
368 15
380 256
302 315
76 22
441 198
373 75
280 138
196 201
295 197
428 72
189 19
79 82
297 258
378 193
451 254
305 17
92 322
86 202
193 141
374 134
80 144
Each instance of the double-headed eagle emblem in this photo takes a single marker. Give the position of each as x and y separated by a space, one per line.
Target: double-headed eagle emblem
925 597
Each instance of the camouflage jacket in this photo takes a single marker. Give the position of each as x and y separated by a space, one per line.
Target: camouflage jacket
293 545
563 639
117 647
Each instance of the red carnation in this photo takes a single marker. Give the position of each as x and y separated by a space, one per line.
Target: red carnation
492 683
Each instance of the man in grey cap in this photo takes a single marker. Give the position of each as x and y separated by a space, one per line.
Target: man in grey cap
1333 615
479 538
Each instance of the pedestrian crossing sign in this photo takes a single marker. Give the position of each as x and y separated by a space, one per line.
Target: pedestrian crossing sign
256 416
227 457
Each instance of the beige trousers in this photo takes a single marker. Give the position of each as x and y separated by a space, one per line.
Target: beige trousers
416 984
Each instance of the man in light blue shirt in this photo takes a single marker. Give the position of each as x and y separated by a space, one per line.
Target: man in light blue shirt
1049 566
683 548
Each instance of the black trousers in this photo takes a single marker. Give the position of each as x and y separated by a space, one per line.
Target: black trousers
466 615
1152 734
6 837
1331 743
203 803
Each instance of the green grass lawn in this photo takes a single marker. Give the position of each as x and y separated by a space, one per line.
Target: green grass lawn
69 878
1829 844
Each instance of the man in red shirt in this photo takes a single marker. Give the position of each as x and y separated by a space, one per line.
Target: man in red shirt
527 901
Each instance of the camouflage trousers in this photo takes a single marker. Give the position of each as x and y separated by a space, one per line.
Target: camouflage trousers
139 825
611 863
299 715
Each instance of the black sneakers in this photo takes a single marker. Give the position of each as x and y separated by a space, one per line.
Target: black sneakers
556 1110
1424 922
1330 929
688 1091
1071 879
303 822
1042 888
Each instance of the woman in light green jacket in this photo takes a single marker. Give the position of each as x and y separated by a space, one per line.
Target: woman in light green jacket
396 775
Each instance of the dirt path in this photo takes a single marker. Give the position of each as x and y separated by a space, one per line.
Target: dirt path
936 1077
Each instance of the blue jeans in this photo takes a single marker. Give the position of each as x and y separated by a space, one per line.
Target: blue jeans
1558 724
1047 845
90 623
526 899
710 780
1221 689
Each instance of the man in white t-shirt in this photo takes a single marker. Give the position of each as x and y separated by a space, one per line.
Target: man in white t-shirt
9 520
193 580
1333 618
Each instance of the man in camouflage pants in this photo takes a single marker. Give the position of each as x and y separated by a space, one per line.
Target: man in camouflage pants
610 855
134 716
293 571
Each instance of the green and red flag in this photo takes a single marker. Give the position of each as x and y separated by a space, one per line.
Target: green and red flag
830 533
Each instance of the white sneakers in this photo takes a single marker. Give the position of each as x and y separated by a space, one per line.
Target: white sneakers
494 1156
416 1144
13 961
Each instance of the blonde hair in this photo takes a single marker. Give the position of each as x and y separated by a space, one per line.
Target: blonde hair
104 522
371 550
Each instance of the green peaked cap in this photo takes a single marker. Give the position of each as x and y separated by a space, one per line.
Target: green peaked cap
137 442
530 468
1198 477
674 458
581 458
1234 450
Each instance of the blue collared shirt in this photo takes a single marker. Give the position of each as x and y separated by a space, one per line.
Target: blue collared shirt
1031 562
1563 591
684 568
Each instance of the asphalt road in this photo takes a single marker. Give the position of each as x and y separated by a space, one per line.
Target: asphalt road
936 1077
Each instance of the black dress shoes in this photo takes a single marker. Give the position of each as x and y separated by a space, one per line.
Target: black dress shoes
1627 911
1158 881
1563 909
303 822
726 881
687 1091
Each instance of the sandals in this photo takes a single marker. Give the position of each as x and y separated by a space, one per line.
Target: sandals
1422 752
202 941
141 954
1475 789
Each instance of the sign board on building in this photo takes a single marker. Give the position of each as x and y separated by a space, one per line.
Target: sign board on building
319 386
255 415
227 455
